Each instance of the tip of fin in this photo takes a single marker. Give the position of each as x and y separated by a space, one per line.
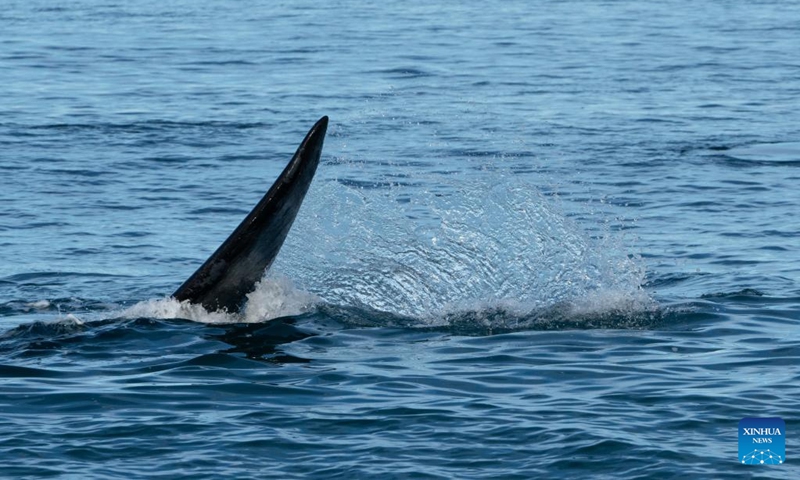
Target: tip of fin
317 132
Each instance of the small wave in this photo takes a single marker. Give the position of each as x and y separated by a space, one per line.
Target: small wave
744 293
68 325
145 126
786 153
62 308
404 72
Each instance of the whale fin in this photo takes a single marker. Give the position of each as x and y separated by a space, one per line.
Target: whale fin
226 278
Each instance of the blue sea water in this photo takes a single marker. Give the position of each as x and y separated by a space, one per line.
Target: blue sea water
546 239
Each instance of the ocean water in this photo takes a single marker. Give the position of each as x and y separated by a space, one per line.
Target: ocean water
546 239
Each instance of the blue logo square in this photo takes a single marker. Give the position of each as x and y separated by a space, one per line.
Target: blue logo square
762 441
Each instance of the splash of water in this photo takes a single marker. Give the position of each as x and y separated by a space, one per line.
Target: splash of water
427 252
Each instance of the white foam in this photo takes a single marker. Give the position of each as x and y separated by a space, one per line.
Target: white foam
600 302
70 318
39 305
168 307
274 296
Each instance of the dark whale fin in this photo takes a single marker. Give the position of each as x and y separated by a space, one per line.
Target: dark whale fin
226 278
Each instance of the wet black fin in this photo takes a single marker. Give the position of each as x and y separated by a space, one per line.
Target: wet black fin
226 278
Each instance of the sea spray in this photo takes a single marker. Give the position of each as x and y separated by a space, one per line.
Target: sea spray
429 251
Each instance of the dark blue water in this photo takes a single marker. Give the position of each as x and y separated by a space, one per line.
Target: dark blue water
546 240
